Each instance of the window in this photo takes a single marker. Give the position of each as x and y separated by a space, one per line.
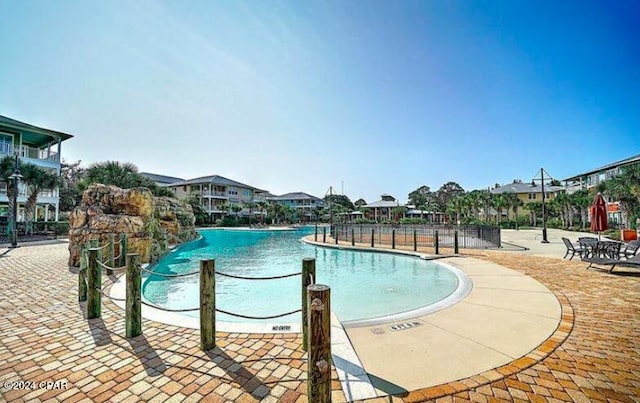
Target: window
532 196
233 191
6 143
246 193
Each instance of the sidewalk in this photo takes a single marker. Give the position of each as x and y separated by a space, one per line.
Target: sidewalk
515 240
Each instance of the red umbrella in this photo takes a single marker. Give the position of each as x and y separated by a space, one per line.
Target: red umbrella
599 215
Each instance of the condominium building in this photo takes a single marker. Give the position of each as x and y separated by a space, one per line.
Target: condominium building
304 205
590 179
34 145
218 195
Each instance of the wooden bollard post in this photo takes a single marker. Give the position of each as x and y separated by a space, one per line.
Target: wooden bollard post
455 242
124 249
315 237
319 353
373 232
436 242
82 275
207 304
393 239
308 278
133 311
415 240
324 234
110 253
353 237
94 284
335 232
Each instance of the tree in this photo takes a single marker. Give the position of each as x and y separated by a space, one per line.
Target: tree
513 202
341 200
446 192
397 212
581 200
421 196
198 211
6 170
626 189
70 194
121 174
36 179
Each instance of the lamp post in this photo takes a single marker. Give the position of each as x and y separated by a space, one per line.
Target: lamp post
15 177
544 212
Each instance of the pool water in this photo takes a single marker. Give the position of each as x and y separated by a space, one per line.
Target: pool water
364 285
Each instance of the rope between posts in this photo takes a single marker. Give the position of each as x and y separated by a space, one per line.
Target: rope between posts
101 291
117 256
258 317
167 309
115 269
259 278
169 275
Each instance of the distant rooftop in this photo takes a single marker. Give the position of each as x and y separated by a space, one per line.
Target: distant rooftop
294 196
215 180
525 188
626 161
163 179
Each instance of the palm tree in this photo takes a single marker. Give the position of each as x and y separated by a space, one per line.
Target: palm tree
499 202
37 179
513 202
625 188
581 200
6 170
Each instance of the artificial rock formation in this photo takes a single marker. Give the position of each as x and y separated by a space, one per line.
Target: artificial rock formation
150 223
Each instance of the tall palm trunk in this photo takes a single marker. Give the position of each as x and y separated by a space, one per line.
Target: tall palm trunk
10 218
30 210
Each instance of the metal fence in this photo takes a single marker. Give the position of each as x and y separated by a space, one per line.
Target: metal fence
469 236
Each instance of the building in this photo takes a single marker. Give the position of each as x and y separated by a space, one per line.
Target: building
430 216
381 209
590 179
161 180
218 195
303 204
38 146
527 193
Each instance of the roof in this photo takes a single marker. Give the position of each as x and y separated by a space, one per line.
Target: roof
626 161
381 203
295 196
161 178
525 188
16 124
213 179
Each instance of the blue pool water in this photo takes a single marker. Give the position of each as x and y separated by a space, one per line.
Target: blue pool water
363 285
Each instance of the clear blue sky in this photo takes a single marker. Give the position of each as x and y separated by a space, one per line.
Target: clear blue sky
298 96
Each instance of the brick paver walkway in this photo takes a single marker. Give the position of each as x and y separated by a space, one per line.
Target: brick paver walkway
45 338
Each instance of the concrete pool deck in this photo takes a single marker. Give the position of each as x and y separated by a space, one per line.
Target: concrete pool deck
44 336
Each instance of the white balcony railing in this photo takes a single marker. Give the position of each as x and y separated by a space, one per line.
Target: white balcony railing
29 152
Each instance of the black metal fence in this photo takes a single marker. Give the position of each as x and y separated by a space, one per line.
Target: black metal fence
468 236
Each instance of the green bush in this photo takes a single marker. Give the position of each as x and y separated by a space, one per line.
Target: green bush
363 221
61 228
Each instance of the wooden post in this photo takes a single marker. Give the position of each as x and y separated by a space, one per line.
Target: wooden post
393 239
82 275
319 351
455 242
315 238
353 236
124 249
324 234
372 235
207 304
133 311
110 253
308 278
436 242
415 240
335 233
94 284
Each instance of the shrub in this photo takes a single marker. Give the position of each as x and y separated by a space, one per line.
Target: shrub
413 220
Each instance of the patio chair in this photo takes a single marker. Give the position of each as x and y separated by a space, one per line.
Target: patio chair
631 249
572 248
633 261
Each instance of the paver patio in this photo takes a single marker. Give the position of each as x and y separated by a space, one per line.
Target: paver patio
45 337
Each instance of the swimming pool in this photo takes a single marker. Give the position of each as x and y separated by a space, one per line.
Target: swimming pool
364 285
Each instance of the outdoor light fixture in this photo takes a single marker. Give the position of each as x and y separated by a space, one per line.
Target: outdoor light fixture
15 177
544 212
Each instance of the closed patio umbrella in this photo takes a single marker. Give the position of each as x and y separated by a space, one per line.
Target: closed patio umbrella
599 215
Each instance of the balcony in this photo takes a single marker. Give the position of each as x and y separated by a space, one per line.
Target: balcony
30 153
